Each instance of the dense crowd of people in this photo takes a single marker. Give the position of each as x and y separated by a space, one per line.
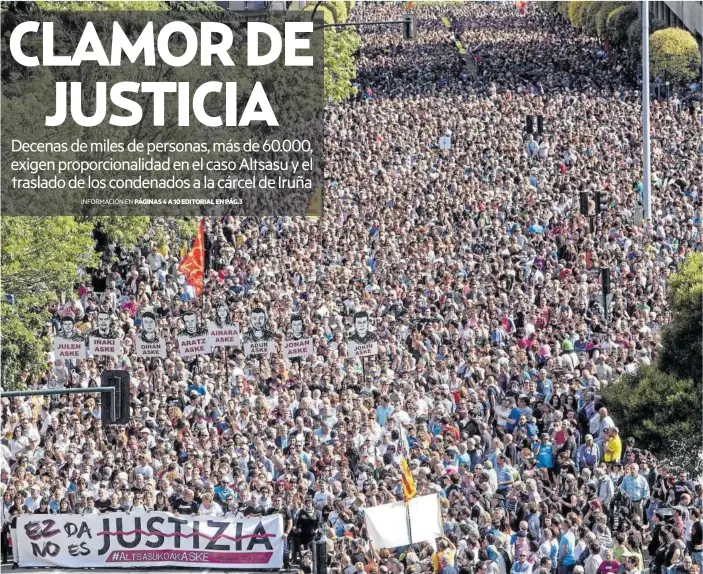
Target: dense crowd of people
482 280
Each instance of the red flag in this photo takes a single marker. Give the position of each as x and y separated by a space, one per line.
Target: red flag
193 264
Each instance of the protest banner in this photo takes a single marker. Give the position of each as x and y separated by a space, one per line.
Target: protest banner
399 524
141 539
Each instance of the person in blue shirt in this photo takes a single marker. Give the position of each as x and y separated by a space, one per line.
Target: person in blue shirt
505 475
545 386
513 416
223 490
567 545
521 565
383 411
544 452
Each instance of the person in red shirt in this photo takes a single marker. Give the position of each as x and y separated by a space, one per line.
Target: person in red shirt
609 564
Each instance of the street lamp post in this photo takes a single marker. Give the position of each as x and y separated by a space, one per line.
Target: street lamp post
646 160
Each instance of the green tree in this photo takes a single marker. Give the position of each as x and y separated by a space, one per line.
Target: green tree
682 344
338 9
660 405
40 257
674 55
340 67
601 18
588 20
618 23
326 13
125 230
193 6
576 12
634 34
102 5
340 45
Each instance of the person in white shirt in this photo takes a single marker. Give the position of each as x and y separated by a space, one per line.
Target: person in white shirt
209 507
33 501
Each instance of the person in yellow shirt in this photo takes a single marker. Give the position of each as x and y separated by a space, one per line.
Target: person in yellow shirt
613 446
445 548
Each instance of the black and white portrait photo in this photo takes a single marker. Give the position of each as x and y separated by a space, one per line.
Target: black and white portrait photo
190 326
104 330
223 317
68 330
258 327
148 331
362 335
297 329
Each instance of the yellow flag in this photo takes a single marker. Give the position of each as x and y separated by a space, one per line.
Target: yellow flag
409 490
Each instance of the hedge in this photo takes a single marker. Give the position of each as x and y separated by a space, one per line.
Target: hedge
588 18
601 19
618 23
674 55
576 11
634 33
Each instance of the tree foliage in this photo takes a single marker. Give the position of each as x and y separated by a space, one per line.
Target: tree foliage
576 13
338 9
102 5
40 257
660 405
601 18
662 413
340 46
673 53
682 344
323 10
340 68
588 17
619 21
125 230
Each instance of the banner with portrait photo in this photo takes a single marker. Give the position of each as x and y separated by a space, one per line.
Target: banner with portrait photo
154 349
104 346
263 347
192 346
148 344
366 349
298 348
193 340
258 338
362 342
69 349
149 539
224 335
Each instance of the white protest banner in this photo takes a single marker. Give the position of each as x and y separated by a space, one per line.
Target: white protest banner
104 347
445 142
224 335
153 539
388 525
191 346
298 348
69 348
150 349
263 347
362 349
